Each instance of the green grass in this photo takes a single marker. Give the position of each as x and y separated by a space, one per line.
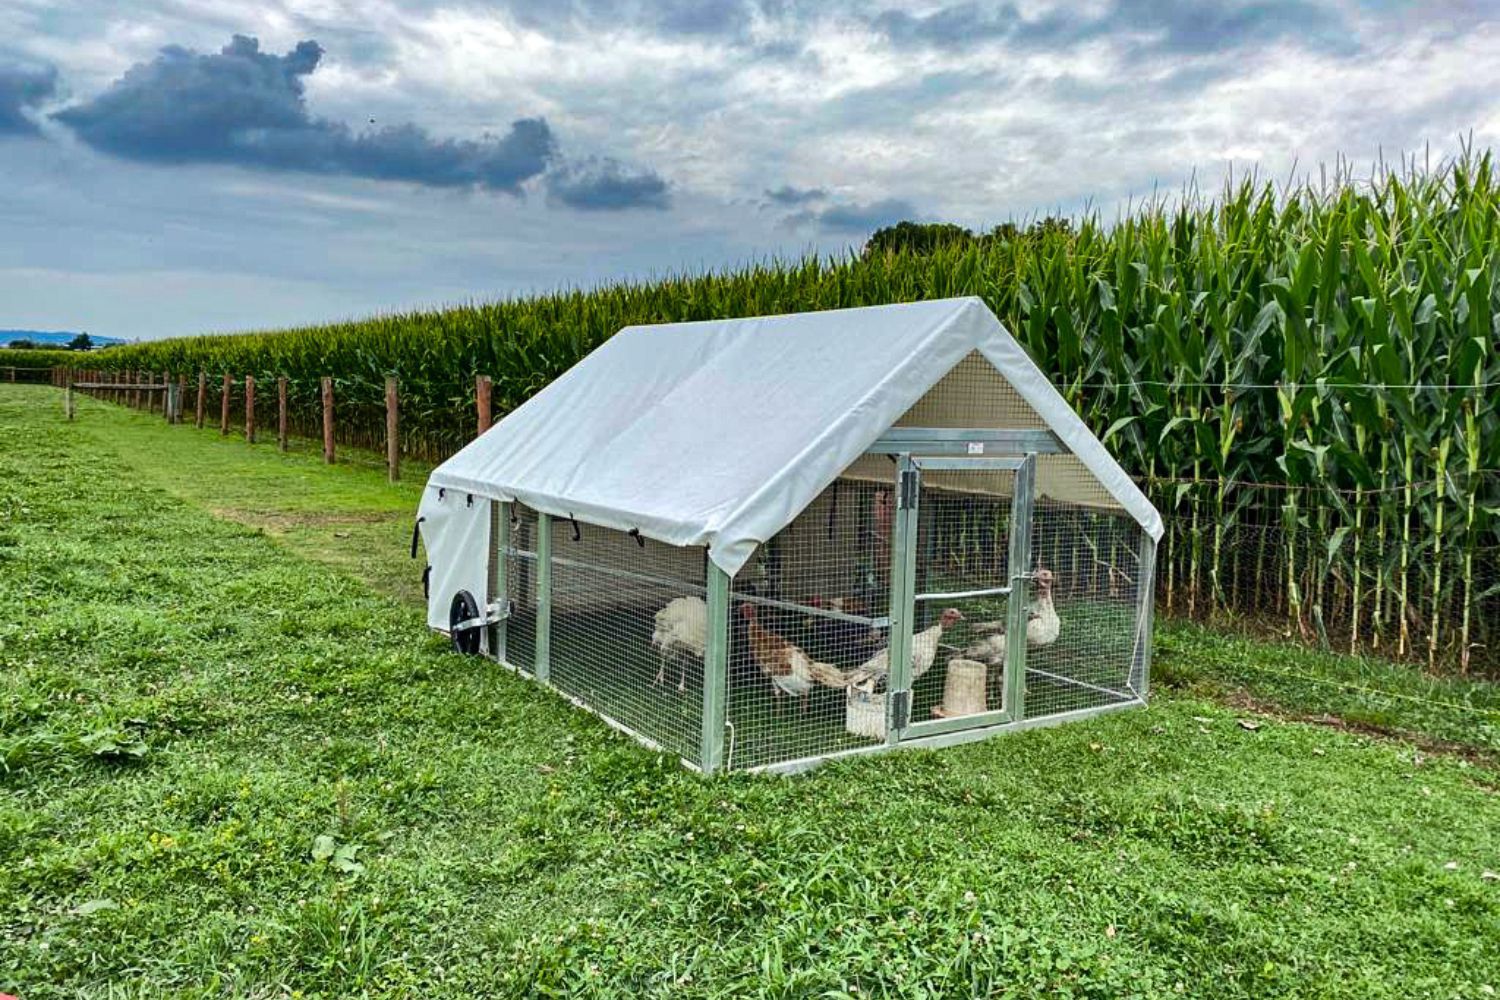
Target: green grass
232 763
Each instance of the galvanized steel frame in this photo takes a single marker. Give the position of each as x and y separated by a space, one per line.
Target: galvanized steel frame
715 671
1018 561
966 441
914 449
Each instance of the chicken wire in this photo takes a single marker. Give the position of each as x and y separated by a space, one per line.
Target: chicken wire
810 617
611 648
1095 659
810 608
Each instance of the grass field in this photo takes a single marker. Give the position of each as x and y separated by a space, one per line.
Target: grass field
232 763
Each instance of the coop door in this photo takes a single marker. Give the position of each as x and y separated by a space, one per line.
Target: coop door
966 549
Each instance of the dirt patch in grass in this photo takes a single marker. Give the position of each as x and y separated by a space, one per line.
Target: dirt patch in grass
280 521
1242 700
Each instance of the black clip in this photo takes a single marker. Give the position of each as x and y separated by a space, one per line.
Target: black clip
427 581
577 535
471 501
442 492
640 539
416 533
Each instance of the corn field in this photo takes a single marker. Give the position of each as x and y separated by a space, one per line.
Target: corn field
1304 380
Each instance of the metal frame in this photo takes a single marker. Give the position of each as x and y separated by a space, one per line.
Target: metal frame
1145 610
948 739
1018 562
966 441
914 449
902 605
542 658
999 463
500 512
715 671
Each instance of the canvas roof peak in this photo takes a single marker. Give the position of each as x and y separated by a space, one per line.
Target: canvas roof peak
719 432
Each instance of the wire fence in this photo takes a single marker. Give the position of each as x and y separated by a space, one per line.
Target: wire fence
1341 570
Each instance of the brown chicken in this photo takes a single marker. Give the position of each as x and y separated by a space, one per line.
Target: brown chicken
791 671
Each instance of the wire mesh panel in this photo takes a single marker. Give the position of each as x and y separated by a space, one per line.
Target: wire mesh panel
629 629
963 538
1085 619
806 614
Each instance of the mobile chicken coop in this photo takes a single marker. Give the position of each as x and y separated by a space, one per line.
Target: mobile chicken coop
760 543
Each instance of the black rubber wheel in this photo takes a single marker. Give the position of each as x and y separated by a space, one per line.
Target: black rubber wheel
464 608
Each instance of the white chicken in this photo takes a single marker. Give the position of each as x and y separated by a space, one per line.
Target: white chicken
924 647
682 634
1042 626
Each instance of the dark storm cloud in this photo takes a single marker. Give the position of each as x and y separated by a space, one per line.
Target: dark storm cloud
23 89
1182 27
853 217
606 185
788 195
246 107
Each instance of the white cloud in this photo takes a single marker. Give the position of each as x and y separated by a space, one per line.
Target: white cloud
812 95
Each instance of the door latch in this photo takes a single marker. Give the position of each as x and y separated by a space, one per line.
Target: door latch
900 709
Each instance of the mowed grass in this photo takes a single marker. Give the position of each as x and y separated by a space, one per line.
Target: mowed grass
232 763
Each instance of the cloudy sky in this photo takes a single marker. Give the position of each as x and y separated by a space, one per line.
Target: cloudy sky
176 166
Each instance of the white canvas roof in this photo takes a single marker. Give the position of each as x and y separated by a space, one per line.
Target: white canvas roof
719 433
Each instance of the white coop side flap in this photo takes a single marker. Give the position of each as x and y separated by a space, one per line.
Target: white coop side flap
456 535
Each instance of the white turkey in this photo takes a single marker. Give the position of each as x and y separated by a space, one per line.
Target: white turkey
1042 626
681 634
924 647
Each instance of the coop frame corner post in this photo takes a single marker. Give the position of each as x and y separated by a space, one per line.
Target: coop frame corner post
1022 505
1145 612
499 595
902 604
715 672
542 658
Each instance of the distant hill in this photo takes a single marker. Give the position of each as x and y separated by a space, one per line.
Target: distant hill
53 338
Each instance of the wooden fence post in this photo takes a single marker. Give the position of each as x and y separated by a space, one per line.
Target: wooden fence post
132 396
224 408
482 401
181 398
249 409
281 413
169 400
392 432
68 396
202 393
328 419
